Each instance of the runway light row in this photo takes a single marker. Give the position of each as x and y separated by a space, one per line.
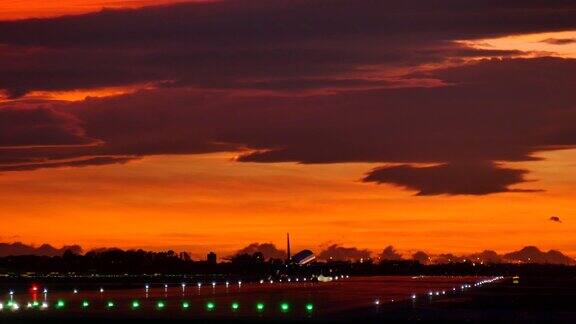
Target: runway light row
199 284
431 293
135 305
11 305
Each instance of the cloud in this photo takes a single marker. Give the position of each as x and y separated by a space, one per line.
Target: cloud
422 257
86 162
532 254
222 23
555 219
222 43
402 126
323 82
269 250
18 248
39 127
390 254
559 41
449 178
341 253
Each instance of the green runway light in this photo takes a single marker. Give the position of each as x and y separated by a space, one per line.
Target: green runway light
185 305
210 306
309 307
110 304
135 304
160 305
60 303
35 303
260 307
85 304
284 307
9 304
235 306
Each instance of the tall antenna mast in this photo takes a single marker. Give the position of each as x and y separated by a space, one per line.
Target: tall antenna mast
288 246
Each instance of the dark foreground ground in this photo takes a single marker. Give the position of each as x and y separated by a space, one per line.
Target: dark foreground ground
543 300
531 300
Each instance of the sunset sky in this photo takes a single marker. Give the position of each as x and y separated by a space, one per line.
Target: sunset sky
444 126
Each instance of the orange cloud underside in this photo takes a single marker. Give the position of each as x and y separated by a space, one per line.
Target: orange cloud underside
208 202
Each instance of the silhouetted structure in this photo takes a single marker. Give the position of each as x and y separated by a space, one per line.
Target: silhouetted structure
185 256
211 258
288 248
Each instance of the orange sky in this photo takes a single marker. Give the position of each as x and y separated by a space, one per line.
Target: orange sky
209 202
202 202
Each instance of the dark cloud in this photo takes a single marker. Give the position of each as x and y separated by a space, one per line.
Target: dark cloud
422 257
390 254
18 248
256 43
207 61
86 162
269 250
559 41
235 22
341 253
532 254
449 179
508 115
39 127
555 219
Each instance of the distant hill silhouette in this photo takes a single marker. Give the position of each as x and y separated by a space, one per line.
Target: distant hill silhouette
337 252
19 248
268 250
532 254
528 254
